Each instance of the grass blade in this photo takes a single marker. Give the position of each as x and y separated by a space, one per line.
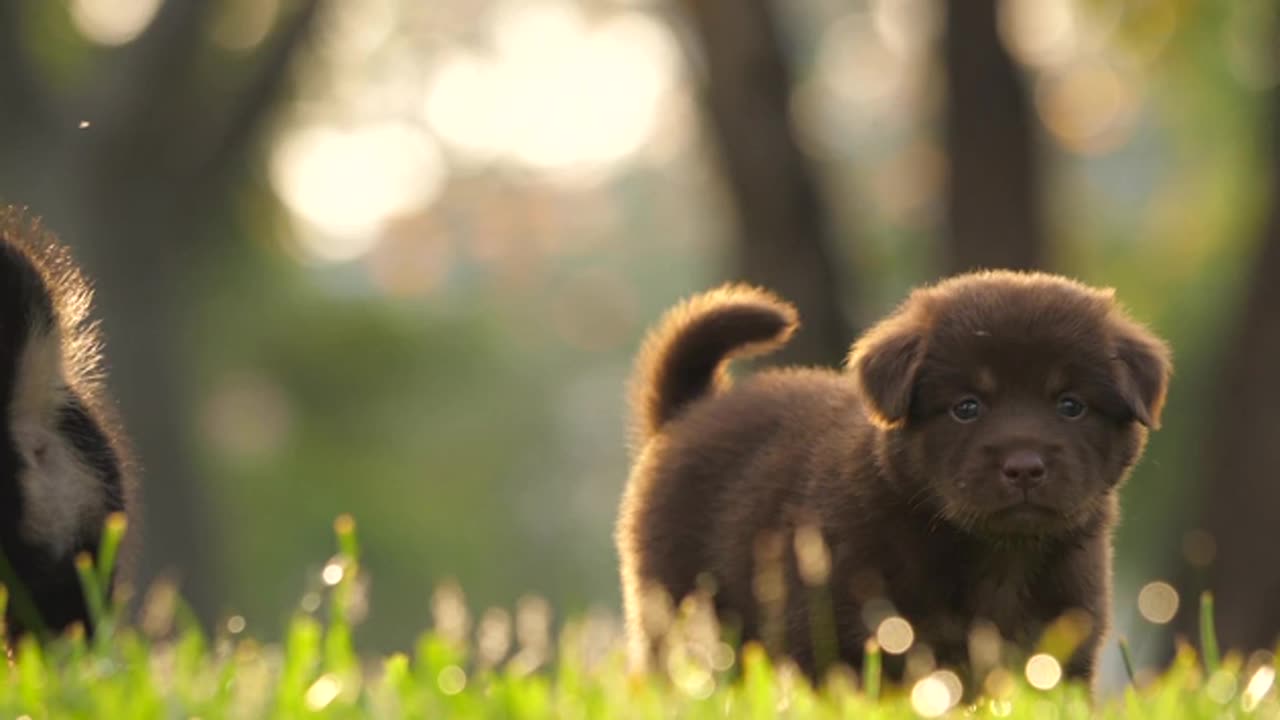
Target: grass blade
871 669
92 590
1208 634
345 528
112 535
1128 662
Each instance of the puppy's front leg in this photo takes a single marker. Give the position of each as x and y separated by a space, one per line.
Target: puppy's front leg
1082 586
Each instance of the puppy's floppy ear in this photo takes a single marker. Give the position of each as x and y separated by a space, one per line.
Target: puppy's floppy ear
884 363
1143 365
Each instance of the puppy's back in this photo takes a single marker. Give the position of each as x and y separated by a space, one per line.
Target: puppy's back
734 464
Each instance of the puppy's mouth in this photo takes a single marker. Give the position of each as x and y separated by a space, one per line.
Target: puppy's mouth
1024 517
1025 509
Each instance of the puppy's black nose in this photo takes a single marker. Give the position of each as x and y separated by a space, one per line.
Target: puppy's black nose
1024 469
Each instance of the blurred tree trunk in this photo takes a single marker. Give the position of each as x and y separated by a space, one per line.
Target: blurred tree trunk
140 192
994 210
1241 481
784 229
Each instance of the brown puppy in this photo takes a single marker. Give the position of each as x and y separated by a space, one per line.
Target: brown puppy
961 474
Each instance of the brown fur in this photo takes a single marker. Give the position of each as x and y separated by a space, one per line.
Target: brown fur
1005 519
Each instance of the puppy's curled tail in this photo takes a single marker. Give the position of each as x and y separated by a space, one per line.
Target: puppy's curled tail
685 355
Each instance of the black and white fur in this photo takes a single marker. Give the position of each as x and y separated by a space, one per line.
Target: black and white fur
64 467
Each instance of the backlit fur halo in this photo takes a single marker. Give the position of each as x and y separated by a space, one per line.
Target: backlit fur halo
71 296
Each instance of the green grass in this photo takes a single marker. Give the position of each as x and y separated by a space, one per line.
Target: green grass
167 668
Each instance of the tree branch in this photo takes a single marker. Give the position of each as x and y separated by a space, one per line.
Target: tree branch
784 230
148 85
236 128
22 101
994 208
1238 483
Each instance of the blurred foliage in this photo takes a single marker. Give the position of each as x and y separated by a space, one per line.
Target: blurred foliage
465 434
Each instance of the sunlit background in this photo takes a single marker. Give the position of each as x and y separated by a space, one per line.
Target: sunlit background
403 275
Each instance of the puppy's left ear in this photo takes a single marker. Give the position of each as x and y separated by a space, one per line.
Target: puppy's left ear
1144 364
884 363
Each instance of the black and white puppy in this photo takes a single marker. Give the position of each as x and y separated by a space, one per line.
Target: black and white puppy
64 467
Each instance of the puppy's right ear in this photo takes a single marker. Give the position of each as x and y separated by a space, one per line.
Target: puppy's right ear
884 363
1145 364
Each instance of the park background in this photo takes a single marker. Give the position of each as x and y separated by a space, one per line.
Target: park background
393 258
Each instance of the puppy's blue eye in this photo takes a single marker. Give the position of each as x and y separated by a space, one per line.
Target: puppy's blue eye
967 410
1071 407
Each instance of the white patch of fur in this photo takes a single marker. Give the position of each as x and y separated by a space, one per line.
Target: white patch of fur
61 494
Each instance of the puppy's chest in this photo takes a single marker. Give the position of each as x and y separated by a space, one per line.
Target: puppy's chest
960 595
1002 592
